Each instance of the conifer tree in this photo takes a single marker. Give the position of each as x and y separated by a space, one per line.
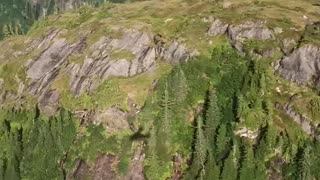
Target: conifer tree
212 119
179 85
229 171
247 170
221 143
200 148
165 109
212 171
302 163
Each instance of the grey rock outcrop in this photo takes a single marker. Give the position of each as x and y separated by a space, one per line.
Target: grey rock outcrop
100 65
49 102
217 28
248 30
44 69
302 66
132 53
177 53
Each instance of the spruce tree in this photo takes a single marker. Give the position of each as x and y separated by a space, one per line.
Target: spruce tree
212 119
229 171
221 143
166 110
247 170
200 148
179 86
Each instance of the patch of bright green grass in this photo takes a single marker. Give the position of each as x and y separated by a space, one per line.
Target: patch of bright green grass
111 92
122 54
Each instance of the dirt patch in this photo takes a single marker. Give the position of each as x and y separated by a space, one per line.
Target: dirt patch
80 171
177 172
104 167
136 166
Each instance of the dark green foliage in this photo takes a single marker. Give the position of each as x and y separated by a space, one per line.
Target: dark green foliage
247 169
16 16
200 150
236 93
213 118
196 112
36 147
33 144
229 171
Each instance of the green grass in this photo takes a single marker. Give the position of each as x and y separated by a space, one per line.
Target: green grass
77 59
122 54
312 34
260 46
111 92
284 123
94 141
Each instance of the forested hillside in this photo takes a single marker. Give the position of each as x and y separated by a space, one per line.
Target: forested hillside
16 16
157 90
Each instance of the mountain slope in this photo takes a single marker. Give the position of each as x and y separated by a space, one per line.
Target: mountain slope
164 89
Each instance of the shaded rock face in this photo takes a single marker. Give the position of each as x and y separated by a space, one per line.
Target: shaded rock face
302 66
103 168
